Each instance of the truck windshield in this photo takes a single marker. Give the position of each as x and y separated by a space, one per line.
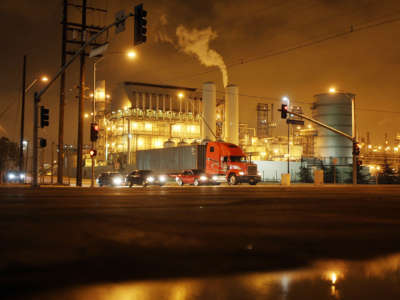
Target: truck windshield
238 159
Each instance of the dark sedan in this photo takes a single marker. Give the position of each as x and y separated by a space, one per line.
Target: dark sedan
110 179
145 177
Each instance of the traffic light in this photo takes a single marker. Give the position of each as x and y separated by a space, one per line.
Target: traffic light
284 110
94 132
356 149
43 143
120 20
92 153
140 25
44 116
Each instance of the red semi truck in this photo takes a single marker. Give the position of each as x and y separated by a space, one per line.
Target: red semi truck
217 161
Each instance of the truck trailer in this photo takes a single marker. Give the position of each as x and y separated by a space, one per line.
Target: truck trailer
219 161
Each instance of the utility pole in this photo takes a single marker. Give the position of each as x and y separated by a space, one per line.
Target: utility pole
60 154
81 99
39 94
288 147
21 141
36 100
85 31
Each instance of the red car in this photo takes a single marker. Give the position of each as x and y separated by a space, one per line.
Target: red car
196 177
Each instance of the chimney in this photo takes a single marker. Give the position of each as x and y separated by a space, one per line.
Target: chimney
231 123
208 126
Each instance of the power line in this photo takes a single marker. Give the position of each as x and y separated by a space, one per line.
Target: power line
379 111
352 29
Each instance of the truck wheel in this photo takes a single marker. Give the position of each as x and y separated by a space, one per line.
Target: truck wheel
232 179
144 183
130 184
196 182
180 182
252 182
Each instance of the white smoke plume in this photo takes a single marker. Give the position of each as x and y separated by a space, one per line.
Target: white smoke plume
196 42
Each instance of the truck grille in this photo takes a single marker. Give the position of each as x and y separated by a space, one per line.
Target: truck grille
252 170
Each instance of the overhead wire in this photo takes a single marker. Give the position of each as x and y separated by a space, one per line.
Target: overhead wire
351 29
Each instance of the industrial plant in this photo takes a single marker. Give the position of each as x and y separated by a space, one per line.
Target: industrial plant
140 116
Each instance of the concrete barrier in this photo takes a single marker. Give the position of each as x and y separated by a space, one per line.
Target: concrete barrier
318 177
285 179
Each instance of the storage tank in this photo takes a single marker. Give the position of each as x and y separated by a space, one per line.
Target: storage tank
232 114
209 111
169 143
335 110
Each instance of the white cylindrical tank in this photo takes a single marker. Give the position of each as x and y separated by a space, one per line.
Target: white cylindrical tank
334 110
208 127
231 122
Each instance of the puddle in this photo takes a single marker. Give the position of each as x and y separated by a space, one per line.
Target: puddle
374 279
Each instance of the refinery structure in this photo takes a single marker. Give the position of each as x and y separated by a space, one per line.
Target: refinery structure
140 116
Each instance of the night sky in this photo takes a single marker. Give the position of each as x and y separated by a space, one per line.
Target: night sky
247 34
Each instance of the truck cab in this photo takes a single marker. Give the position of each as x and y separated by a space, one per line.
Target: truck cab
228 161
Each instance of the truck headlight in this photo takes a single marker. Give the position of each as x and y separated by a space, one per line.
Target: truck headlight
11 176
241 173
203 178
150 179
117 180
259 173
215 178
21 176
162 178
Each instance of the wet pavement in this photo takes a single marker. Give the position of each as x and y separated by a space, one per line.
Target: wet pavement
63 242
338 279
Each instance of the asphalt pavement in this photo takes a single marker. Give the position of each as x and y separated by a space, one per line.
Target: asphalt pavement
58 237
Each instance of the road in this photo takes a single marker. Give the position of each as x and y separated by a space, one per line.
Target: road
57 237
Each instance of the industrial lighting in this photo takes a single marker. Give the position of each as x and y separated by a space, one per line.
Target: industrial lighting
44 78
181 95
131 54
286 99
332 90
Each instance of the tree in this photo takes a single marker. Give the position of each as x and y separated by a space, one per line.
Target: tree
388 176
8 154
305 174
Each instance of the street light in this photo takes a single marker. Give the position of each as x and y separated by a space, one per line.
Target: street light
332 90
131 54
287 100
25 90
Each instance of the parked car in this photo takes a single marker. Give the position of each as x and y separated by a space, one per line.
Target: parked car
196 177
14 177
110 179
145 177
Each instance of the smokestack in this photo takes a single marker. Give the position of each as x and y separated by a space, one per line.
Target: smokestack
232 114
209 111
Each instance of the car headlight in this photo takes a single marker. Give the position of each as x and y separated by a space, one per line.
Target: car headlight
162 178
203 178
150 179
241 173
22 176
11 176
215 178
117 180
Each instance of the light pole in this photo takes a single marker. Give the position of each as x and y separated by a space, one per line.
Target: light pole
25 90
131 55
286 99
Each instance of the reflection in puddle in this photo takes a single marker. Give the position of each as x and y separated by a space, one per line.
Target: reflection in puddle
376 279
